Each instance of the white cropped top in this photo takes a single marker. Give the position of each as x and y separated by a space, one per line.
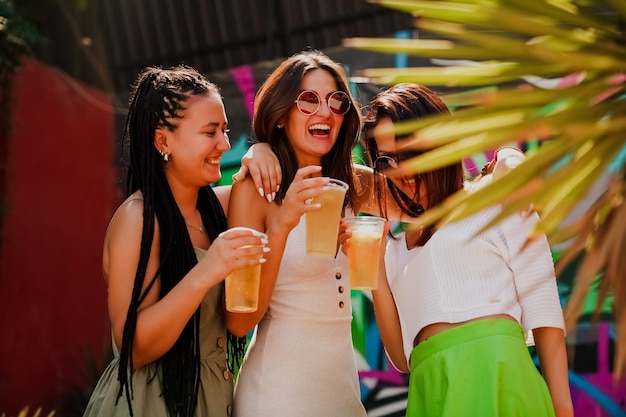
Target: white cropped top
456 277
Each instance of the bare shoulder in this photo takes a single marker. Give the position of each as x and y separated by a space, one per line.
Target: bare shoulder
130 211
247 207
223 194
245 188
125 228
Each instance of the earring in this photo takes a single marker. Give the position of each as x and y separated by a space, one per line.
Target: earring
279 125
166 157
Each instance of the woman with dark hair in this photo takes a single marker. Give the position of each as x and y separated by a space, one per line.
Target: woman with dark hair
453 304
300 361
405 102
166 252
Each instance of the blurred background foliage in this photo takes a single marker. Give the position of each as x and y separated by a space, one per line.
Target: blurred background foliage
529 72
18 35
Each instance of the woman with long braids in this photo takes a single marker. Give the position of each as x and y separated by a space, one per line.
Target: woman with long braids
166 252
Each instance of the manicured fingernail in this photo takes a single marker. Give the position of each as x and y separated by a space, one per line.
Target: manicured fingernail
269 198
259 234
265 241
262 260
277 187
261 192
266 249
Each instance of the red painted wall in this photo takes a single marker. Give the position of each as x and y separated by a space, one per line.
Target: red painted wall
61 191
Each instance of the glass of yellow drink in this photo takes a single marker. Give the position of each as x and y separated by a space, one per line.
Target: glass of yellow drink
322 225
364 249
242 288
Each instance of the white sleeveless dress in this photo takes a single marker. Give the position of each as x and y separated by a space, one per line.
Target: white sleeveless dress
300 362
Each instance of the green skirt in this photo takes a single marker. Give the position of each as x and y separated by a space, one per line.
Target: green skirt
482 368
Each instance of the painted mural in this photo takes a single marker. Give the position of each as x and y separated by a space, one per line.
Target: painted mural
384 389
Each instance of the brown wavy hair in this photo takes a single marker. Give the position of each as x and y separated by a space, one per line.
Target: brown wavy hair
274 100
404 102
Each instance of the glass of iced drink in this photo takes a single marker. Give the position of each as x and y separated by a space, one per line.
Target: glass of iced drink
322 225
242 287
363 252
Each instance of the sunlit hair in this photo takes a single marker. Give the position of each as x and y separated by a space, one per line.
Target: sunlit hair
158 100
404 102
275 99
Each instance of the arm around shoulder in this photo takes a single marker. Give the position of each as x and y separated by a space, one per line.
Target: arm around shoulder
369 203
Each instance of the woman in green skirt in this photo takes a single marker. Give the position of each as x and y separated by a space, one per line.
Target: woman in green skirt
456 308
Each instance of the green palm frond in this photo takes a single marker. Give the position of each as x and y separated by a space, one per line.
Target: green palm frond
552 72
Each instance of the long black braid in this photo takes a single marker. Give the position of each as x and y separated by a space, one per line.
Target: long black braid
158 100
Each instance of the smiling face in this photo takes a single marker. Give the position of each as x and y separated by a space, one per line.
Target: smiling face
387 147
313 136
197 142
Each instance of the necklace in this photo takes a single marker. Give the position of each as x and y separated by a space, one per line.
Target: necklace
200 229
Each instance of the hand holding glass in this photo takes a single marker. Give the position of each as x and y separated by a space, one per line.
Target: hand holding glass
322 225
242 286
363 252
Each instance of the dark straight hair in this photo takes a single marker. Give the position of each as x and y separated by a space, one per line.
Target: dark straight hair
404 102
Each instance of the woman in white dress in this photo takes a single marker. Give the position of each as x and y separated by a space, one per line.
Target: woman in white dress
300 361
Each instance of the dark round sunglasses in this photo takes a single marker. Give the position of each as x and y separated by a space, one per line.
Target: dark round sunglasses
309 102
387 161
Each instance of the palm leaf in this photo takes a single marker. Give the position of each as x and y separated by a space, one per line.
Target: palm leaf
549 72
